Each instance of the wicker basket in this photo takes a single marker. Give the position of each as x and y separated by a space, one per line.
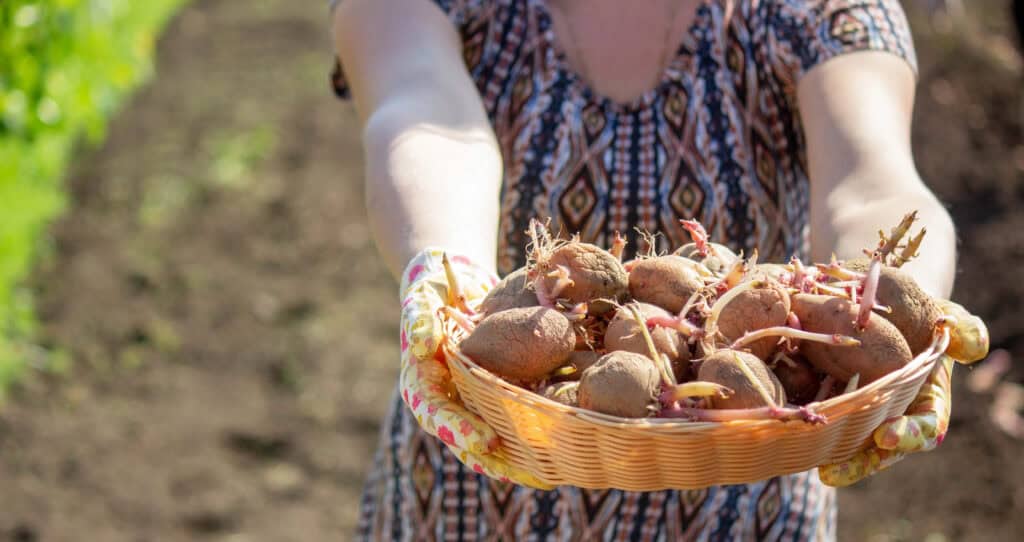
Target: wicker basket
563 445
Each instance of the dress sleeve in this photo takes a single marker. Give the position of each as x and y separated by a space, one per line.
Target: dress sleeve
464 14
806 33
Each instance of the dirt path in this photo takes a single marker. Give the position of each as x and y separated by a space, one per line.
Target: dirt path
232 332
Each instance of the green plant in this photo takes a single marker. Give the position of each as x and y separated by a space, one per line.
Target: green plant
65 65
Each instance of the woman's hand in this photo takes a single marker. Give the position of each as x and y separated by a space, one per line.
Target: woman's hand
924 425
920 429
425 382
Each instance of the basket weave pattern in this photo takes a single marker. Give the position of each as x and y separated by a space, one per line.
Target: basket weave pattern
563 445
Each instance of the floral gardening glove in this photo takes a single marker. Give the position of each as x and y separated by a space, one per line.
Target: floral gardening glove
924 425
920 429
425 382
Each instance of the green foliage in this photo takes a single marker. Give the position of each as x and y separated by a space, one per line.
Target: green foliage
65 65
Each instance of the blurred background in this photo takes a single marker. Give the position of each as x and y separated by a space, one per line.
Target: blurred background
197 340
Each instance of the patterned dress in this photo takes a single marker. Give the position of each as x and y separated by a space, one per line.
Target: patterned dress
719 139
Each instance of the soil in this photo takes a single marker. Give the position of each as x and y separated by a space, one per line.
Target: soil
232 334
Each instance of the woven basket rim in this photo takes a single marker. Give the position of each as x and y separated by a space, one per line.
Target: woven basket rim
925 360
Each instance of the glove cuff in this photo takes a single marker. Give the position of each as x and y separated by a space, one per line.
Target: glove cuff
428 261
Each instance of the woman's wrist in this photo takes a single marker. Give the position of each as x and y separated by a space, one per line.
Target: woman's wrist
855 229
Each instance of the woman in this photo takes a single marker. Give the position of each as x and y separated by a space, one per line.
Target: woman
782 125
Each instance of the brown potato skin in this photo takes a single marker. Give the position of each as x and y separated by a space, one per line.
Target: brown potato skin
583 359
568 397
596 274
620 384
721 368
523 344
510 293
665 281
914 312
882 351
624 334
755 309
800 380
682 369
580 360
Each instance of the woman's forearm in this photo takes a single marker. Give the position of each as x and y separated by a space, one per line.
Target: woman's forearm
430 181
857 112
433 169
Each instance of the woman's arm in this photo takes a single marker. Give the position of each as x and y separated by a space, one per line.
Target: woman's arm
856 110
433 167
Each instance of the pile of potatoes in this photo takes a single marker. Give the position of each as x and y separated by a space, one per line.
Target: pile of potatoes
702 333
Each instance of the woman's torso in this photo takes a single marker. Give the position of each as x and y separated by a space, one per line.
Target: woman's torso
718 138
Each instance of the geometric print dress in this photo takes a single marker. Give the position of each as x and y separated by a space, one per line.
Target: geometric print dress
718 139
